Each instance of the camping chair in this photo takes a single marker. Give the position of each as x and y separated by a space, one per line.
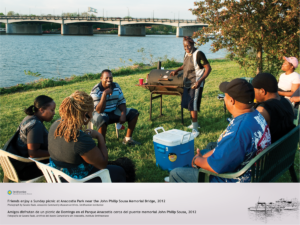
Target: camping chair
53 175
91 126
9 171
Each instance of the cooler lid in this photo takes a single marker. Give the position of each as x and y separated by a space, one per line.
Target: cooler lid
173 137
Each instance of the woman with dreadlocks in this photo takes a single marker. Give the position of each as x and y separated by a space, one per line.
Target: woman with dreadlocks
196 69
73 151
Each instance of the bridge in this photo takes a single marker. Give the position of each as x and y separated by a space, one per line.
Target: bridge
84 25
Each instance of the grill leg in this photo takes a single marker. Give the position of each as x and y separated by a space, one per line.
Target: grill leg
181 111
161 105
150 105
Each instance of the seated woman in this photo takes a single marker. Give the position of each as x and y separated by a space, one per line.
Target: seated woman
73 151
289 81
32 140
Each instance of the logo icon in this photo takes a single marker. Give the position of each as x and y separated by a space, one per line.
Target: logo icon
9 192
172 157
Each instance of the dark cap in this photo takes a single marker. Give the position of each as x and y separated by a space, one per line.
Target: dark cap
266 81
239 89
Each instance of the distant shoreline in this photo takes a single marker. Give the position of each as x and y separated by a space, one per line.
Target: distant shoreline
46 82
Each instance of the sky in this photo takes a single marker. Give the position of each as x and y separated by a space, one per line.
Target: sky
111 8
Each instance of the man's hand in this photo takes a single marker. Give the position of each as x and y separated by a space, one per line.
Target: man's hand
108 91
122 118
196 85
173 73
197 155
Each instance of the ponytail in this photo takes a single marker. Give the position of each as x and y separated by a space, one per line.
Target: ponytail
30 110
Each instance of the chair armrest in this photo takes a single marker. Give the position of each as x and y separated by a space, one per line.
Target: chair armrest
40 159
103 174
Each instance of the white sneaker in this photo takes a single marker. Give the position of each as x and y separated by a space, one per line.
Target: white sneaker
195 133
191 127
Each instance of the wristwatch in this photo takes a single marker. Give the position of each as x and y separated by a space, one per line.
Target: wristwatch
194 165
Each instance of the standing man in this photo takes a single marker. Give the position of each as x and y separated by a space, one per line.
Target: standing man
110 107
196 69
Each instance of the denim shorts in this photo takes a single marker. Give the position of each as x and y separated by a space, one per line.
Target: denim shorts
112 117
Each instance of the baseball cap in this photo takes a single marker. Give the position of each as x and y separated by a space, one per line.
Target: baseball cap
239 89
266 81
292 60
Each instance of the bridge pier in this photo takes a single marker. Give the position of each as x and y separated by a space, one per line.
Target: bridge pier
186 31
76 29
137 30
21 28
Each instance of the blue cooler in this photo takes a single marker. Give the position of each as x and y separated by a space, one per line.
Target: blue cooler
173 148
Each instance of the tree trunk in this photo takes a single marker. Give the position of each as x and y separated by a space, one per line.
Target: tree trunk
259 60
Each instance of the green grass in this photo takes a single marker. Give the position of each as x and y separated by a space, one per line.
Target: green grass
211 118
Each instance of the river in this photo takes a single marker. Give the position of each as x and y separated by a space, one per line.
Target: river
58 56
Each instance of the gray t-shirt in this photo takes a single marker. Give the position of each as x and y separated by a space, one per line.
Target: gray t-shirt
68 154
189 74
32 131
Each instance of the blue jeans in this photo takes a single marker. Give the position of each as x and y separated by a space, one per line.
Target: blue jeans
186 174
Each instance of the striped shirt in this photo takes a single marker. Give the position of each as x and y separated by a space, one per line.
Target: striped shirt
112 101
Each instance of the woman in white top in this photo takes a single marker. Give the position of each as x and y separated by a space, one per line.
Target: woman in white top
289 81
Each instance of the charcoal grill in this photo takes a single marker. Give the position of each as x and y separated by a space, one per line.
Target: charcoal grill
159 83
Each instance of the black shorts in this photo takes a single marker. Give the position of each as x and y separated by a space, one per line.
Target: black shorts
191 99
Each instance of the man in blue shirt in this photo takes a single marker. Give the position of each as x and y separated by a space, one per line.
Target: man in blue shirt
110 107
246 136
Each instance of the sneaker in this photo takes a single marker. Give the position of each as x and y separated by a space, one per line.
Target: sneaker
167 179
191 127
130 142
195 133
117 130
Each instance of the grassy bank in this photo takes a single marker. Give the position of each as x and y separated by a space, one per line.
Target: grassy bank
211 118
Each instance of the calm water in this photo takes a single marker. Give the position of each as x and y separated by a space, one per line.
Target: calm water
57 56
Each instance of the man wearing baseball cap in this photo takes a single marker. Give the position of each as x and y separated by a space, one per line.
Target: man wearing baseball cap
289 81
277 110
245 136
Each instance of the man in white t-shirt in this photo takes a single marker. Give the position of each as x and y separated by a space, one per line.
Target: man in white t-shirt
289 81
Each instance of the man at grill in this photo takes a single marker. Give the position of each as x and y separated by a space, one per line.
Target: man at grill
196 69
110 107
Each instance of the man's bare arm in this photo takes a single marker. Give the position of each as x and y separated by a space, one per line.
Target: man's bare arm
265 114
173 73
102 104
122 108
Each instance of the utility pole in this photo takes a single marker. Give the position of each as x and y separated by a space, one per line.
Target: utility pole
103 12
153 15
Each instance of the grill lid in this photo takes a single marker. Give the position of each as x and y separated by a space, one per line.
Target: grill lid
163 78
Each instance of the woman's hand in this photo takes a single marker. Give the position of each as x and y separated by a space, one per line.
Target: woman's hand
92 133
